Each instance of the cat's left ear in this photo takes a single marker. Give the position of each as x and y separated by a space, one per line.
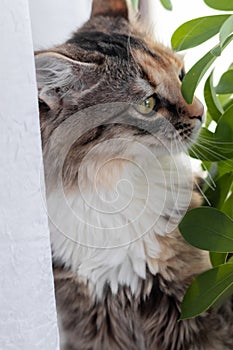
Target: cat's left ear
59 77
112 8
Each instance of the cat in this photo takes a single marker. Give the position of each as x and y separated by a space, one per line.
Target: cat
115 133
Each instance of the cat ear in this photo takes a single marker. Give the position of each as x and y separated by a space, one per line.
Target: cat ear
116 8
57 75
145 9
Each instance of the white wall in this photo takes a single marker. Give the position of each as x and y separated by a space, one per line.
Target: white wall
54 20
27 304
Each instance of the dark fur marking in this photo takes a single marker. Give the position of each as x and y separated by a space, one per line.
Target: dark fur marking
196 117
142 132
94 136
165 103
114 45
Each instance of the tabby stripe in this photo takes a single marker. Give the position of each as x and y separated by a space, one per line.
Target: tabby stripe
115 45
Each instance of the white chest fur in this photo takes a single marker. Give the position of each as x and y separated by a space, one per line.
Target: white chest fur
107 232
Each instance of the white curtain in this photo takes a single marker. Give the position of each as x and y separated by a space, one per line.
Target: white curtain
27 303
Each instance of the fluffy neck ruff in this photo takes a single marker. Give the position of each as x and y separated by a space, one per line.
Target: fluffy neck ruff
106 229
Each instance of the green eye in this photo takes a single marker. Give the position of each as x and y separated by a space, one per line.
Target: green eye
147 107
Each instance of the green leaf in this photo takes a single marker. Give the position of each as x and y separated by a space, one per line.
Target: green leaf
223 298
218 195
225 85
208 119
218 258
196 73
224 132
224 99
214 107
166 4
212 168
208 229
225 5
225 166
206 148
228 104
206 289
216 51
135 4
196 31
227 207
226 30
194 76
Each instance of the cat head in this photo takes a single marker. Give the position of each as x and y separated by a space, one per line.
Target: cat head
109 81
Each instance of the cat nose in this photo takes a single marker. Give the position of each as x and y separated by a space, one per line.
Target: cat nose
196 110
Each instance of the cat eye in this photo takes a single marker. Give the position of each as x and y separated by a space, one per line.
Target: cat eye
147 107
182 74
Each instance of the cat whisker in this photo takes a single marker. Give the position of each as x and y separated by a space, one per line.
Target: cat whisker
202 193
212 183
210 142
201 137
210 152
